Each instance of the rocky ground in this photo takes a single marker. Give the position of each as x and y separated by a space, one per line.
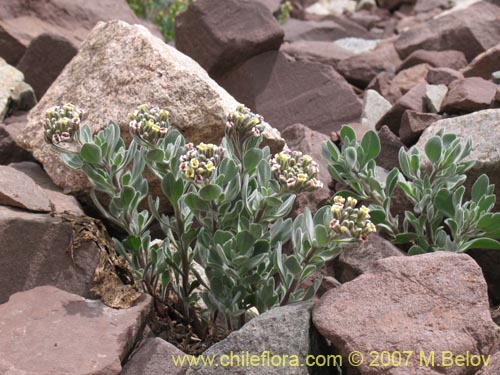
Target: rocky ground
406 68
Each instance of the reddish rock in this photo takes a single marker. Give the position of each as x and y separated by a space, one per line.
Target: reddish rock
390 146
310 30
382 84
11 49
361 69
46 331
220 35
442 76
21 21
322 52
469 95
489 261
18 190
413 100
45 58
10 151
354 261
497 96
472 30
300 138
407 79
36 250
413 124
484 64
286 92
155 356
493 367
272 5
430 5
439 59
414 304
60 202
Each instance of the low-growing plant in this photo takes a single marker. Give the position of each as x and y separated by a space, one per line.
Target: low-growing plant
441 218
224 242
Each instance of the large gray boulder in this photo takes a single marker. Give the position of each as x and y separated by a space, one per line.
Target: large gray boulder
118 67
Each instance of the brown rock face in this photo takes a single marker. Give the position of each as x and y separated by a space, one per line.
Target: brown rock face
324 30
390 144
413 124
442 59
322 52
267 83
222 34
392 4
469 95
442 76
10 151
45 58
472 30
411 303
36 250
493 367
71 335
413 101
484 64
358 260
21 21
361 69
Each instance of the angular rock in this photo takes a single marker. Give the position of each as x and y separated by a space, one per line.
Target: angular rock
357 45
374 107
69 334
484 64
104 70
392 4
286 92
495 77
19 190
472 30
442 76
382 84
413 124
479 126
220 35
497 96
322 52
362 68
493 367
44 59
439 310
438 59
10 151
36 251
60 202
330 7
24 20
434 97
407 79
390 146
14 93
327 30
272 5
413 101
355 261
469 95
283 330
154 357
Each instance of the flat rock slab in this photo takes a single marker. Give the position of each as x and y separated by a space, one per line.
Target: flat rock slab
19 190
46 331
431 303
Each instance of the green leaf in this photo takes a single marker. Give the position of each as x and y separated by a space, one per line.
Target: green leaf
251 159
322 235
347 134
210 192
403 238
155 155
330 151
172 188
444 203
416 250
480 188
128 194
73 161
351 157
377 216
482 243
194 202
293 265
434 149
91 153
371 145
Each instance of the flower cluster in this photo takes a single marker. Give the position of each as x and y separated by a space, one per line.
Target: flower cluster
199 163
349 221
243 124
62 123
148 124
295 172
